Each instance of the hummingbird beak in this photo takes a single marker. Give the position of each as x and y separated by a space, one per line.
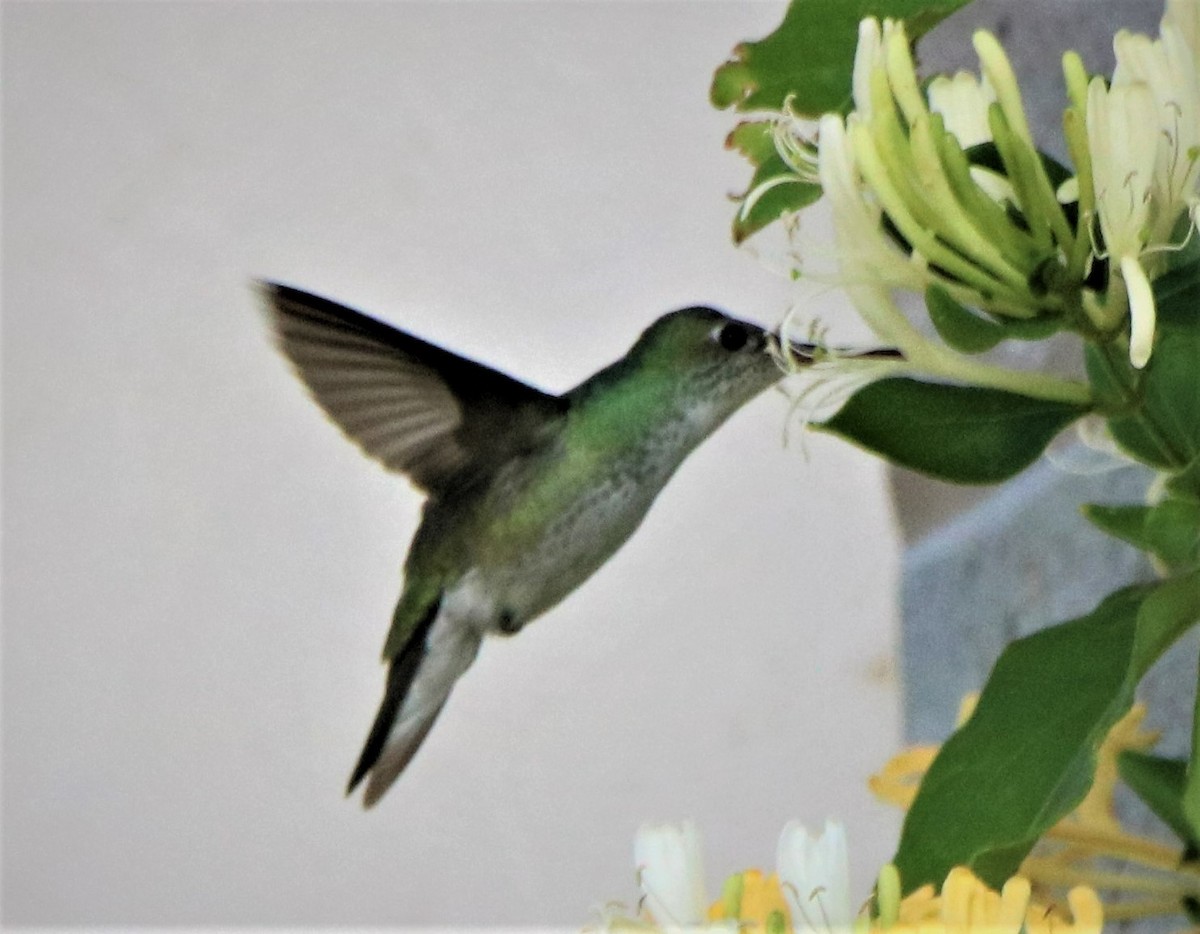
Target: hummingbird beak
805 353
797 351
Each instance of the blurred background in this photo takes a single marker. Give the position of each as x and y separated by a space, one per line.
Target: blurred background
199 571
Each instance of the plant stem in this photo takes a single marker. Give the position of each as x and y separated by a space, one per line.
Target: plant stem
1117 845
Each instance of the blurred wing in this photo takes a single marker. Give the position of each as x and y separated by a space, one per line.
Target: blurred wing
416 408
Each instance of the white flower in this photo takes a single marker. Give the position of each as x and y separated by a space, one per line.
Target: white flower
868 56
815 874
896 158
1141 311
1144 146
908 211
863 248
963 102
1183 15
1169 69
671 875
1123 152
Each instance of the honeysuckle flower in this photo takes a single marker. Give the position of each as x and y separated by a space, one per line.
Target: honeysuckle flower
1184 15
815 872
1123 152
1169 67
670 872
899 157
810 894
1078 848
966 904
753 902
911 208
1143 136
793 135
910 211
963 100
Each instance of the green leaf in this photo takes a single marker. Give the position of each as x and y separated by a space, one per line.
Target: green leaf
1160 425
1027 756
1170 529
811 54
959 327
1186 483
1128 523
971 332
964 434
756 141
1173 530
1160 783
1031 329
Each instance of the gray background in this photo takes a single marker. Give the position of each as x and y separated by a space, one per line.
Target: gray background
199 572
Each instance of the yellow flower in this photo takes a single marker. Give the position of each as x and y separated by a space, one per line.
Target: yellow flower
756 902
967 904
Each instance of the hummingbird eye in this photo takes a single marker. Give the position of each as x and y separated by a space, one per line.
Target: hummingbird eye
731 336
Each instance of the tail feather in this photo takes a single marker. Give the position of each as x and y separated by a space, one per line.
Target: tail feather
401 674
398 683
398 752
419 682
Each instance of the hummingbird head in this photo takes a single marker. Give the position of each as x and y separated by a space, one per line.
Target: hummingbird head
707 359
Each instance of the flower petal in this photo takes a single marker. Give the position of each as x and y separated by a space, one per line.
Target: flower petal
816 875
671 872
868 54
1123 131
1141 311
1184 15
963 102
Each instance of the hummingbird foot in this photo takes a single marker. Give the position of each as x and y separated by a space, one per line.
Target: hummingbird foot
507 623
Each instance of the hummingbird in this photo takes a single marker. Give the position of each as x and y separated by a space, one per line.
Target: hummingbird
528 493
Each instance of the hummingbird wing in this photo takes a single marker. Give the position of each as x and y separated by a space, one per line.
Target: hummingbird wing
416 408
420 678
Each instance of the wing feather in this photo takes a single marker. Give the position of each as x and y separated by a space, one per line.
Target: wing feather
415 407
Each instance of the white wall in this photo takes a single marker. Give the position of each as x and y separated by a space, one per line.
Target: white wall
198 571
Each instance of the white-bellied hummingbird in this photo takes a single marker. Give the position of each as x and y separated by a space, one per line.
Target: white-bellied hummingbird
528 493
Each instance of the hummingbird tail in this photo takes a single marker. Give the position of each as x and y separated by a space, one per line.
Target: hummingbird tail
418 684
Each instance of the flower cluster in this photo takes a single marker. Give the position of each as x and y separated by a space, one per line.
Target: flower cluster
810 894
943 190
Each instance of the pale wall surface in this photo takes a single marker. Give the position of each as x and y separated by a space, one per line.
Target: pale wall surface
199 572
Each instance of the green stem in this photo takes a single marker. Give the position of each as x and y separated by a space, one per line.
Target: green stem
1116 845
940 361
1170 884
1148 908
